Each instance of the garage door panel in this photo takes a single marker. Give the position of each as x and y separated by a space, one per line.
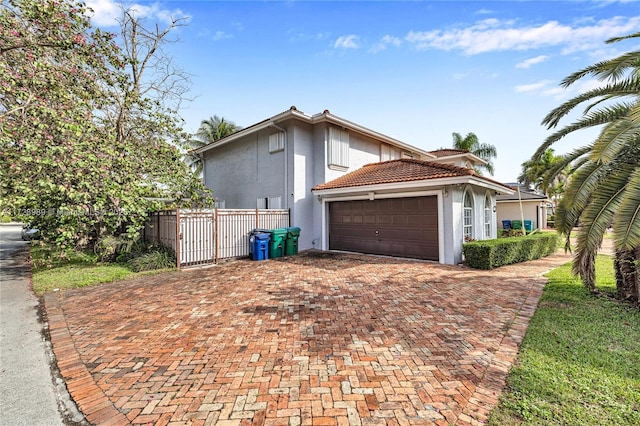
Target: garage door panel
406 227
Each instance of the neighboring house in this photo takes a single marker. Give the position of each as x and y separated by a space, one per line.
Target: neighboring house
534 206
351 188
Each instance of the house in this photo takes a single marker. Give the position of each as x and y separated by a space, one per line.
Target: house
534 206
351 188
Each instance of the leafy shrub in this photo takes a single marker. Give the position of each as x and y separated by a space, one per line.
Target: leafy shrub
490 254
109 247
155 258
5 218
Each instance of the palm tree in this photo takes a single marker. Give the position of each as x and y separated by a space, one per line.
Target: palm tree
211 130
484 151
534 173
605 185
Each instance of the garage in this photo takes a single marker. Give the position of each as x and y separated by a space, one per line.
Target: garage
403 227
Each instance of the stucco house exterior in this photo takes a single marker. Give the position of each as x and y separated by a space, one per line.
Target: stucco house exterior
534 206
351 188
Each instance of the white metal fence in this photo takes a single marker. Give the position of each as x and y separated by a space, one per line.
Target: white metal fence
208 235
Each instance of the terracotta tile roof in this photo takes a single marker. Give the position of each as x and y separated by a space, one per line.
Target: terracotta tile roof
404 170
445 152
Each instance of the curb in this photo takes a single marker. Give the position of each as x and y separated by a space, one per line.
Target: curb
89 398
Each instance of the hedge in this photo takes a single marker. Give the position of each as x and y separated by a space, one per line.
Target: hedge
490 254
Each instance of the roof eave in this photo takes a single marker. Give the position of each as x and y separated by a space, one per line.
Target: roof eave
412 185
334 119
261 125
475 158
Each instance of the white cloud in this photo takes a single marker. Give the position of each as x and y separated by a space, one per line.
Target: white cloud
491 35
385 42
221 35
533 87
532 61
106 12
347 42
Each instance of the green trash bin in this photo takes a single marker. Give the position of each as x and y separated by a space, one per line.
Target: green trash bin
516 224
291 244
276 244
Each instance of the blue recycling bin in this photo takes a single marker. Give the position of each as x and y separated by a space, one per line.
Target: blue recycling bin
259 245
528 225
506 225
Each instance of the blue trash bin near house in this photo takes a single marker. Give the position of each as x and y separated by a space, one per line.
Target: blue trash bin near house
506 225
528 225
259 244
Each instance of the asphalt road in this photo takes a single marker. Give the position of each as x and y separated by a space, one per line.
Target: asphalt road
27 389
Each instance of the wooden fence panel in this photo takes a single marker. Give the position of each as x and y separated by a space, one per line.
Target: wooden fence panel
207 235
197 235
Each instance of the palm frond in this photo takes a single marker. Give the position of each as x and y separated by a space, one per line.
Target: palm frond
600 211
610 69
627 37
613 138
621 89
594 118
583 183
560 166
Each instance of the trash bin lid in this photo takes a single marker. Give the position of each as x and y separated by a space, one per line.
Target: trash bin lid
279 231
294 231
262 236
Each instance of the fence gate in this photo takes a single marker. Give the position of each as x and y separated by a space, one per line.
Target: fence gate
197 234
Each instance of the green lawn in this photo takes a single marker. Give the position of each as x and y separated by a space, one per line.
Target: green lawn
53 269
579 363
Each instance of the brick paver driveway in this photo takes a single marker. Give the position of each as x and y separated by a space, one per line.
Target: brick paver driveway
318 338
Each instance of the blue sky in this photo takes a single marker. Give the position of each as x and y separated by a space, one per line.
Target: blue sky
416 71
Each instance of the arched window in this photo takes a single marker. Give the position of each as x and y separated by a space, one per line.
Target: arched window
467 216
487 216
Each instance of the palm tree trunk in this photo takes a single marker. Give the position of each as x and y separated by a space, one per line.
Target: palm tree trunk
627 278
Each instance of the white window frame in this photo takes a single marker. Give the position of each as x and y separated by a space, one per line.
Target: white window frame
338 149
467 216
488 216
276 142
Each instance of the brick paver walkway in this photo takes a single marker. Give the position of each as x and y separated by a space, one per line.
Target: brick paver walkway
315 339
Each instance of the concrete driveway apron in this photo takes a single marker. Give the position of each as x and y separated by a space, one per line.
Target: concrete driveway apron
315 339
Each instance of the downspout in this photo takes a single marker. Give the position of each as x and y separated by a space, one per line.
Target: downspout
286 167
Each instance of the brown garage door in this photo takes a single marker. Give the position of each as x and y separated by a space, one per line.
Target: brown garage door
405 227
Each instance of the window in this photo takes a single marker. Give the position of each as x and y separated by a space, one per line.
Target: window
219 204
388 153
467 216
338 148
487 216
269 203
276 142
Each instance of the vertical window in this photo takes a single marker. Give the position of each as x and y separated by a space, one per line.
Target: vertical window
338 148
276 142
487 216
467 217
